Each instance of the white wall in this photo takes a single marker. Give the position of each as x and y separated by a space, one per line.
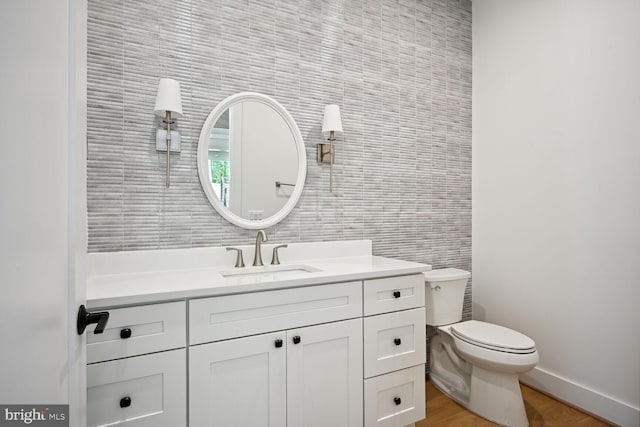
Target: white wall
556 191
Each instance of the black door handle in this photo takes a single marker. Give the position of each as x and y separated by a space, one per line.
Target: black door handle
397 400
396 294
86 318
278 343
397 341
296 339
125 333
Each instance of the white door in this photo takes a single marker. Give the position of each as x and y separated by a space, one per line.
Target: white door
324 375
42 203
239 382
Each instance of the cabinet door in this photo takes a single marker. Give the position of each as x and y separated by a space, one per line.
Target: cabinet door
238 382
141 391
324 375
395 399
394 341
393 294
151 328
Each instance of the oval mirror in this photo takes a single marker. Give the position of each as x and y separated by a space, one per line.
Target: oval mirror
251 160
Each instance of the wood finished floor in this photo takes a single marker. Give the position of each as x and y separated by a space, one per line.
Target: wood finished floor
542 410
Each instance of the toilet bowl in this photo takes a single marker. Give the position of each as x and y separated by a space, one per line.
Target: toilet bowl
475 363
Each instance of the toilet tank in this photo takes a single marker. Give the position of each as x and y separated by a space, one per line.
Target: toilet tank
444 295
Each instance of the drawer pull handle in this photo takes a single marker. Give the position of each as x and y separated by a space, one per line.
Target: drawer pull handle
396 294
125 402
397 341
125 333
397 400
296 339
278 343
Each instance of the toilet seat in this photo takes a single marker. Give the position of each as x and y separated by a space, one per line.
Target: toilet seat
493 337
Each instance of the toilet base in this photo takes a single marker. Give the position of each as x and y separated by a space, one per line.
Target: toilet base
492 395
496 396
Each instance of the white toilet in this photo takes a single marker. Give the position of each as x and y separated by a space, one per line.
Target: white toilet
475 363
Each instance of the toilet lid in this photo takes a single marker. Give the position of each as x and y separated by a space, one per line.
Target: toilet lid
445 274
493 337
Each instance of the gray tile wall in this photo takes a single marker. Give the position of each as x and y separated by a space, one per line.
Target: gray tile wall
399 69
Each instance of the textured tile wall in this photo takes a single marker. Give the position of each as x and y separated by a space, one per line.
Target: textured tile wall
400 70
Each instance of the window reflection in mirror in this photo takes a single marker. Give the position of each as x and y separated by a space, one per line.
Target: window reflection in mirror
219 158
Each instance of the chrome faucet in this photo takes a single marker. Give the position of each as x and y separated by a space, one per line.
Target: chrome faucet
257 257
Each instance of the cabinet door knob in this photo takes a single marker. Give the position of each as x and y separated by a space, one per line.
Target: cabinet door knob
296 339
396 294
397 341
125 333
278 343
397 400
125 402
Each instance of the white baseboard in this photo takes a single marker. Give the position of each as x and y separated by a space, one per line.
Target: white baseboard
591 401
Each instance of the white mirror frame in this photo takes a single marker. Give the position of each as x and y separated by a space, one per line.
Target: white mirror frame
204 168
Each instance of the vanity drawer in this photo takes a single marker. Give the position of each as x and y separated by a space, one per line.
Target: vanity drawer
395 399
219 318
393 294
142 391
394 341
138 330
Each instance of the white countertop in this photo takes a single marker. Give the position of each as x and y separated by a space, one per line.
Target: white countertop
126 278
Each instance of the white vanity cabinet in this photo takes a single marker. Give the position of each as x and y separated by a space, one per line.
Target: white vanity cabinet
303 376
343 350
136 375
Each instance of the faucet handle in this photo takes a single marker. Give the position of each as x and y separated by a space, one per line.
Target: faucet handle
239 259
274 259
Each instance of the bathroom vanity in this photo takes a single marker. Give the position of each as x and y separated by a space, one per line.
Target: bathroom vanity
332 336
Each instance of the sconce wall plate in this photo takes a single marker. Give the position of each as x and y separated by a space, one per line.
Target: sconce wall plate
324 153
161 140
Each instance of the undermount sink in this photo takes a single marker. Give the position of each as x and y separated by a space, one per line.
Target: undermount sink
270 271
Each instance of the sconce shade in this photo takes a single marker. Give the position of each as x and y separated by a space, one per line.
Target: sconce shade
168 98
332 120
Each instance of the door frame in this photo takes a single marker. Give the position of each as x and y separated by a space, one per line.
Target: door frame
77 190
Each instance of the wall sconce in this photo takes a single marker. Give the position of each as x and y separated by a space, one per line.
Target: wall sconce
331 124
168 102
